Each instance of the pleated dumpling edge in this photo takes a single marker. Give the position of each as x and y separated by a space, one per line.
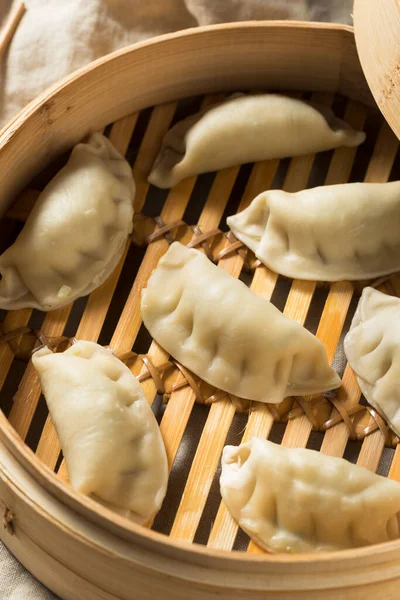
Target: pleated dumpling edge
329 233
230 337
292 500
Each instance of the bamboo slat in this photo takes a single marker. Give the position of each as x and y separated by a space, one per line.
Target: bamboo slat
394 472
121 132
160 120
27 397
14 320
371 451
224 529
379 169
336 438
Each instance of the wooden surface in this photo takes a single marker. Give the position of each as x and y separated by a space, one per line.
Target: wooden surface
66 539
377 31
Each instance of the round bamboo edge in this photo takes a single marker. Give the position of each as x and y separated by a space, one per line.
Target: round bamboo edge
13 135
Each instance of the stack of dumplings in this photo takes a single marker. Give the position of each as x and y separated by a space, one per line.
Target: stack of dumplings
287 500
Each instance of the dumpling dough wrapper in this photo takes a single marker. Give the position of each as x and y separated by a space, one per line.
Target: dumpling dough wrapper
237 341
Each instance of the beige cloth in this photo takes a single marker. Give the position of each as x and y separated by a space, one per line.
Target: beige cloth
56 37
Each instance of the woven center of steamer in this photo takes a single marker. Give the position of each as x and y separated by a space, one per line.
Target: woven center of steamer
197 420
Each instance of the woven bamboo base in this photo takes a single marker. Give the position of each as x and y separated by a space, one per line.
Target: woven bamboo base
197 421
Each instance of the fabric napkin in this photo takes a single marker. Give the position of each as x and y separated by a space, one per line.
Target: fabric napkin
55 37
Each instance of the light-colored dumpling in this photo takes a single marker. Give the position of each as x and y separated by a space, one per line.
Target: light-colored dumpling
108 433
244 129
330 233
372 348
76 232
235 340
298 500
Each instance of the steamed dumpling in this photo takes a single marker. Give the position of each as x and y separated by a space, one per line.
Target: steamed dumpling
227 335
75 234
108 433
297 500
244 129
329 233
372 348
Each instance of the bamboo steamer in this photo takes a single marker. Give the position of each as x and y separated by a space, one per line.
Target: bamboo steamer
73 545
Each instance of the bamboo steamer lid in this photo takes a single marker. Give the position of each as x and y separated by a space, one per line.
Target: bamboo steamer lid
377 33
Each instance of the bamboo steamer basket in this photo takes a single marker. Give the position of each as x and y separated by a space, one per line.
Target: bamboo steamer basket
75 546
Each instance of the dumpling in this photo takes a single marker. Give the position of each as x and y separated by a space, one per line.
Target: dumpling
298 500
244 129
75 234
372 348
235 340
108 433
330 233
